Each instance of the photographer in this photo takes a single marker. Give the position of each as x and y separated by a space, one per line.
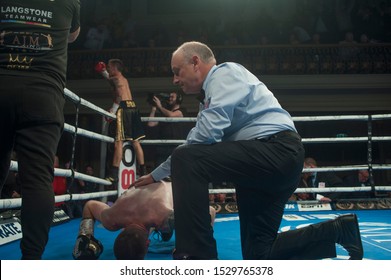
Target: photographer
170 108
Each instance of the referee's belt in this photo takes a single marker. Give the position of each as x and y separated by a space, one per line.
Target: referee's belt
280 134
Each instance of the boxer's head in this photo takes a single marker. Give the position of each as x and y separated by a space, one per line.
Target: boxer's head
115 65
132 243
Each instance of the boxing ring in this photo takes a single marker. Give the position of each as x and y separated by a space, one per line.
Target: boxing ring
374 214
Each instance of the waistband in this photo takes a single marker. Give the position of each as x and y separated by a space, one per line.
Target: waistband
283 133
127 104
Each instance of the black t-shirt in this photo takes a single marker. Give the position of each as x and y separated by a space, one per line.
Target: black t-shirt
34 37
171 130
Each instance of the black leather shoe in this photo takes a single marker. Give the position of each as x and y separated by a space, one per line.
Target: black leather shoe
348 235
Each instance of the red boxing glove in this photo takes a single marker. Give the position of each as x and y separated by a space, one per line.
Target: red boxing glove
100 67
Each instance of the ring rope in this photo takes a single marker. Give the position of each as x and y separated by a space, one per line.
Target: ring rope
68 173
88 134
304 140
78 175
296 119
319 190
16 202
74 98
342 118
346 168
71 173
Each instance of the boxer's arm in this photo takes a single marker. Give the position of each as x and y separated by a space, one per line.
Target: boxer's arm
93 210
87 247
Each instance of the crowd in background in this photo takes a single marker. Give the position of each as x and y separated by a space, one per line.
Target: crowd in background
313 22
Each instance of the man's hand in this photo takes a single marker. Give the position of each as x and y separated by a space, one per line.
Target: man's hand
325 200
157 102
142 181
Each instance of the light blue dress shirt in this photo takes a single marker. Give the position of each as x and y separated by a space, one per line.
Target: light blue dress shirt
237 106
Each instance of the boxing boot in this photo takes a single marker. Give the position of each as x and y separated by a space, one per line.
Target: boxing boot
113 175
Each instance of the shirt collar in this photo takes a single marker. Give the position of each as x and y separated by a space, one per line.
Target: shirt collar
201 95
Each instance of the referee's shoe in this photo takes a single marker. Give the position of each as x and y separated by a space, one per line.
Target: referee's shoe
348 235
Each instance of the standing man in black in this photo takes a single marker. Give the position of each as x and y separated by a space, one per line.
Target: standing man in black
34 37
244 136
167 130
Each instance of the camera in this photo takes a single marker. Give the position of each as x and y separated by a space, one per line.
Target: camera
163 97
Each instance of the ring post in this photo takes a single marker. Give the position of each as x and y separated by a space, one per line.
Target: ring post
127 168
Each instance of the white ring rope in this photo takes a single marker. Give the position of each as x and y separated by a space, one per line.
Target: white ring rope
342 118
347 168
16 202
318 190
76 99
68 173
87 133
296 119
304 140
345 139
165 119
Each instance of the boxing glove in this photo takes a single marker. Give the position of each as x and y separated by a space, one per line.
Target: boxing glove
100 67
87 248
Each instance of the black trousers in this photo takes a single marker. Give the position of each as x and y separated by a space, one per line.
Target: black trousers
266 173
31 123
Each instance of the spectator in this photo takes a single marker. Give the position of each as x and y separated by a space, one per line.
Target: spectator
220 197
359 178
315 40
87 186
293 39
170 108
211 198
348 39
348 47
303 184
321 22
322 180
96 37
364 39
301 34
343 15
